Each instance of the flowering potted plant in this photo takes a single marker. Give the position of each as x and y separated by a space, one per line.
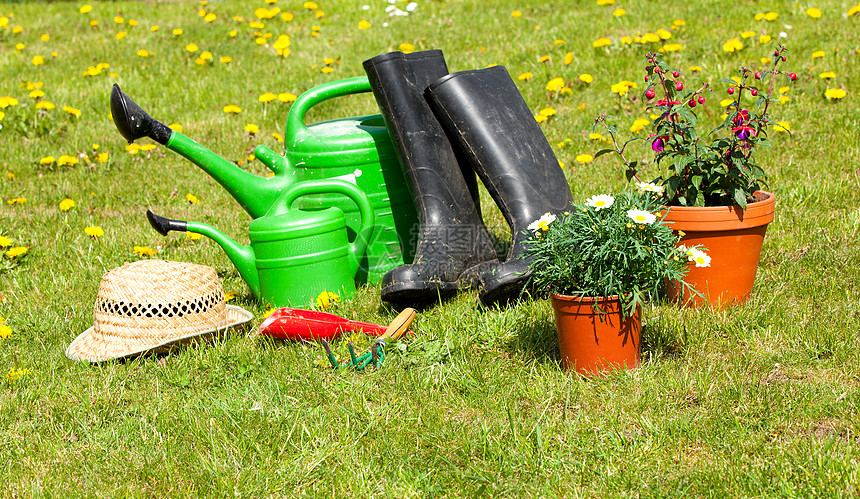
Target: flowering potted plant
600 262
711 183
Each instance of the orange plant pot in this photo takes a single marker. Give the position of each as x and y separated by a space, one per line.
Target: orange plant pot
733 238
590 342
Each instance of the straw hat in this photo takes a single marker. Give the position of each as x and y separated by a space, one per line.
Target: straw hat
153 305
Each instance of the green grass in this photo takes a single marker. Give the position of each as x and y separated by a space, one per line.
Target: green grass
761 400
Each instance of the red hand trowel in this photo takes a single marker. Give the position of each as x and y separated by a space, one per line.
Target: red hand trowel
298 324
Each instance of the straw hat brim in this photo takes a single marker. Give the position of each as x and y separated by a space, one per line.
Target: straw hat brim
78 349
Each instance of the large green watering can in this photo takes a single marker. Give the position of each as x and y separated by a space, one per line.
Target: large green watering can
294 254
357 150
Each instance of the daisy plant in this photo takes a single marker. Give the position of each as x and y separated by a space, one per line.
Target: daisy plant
608 246
715 169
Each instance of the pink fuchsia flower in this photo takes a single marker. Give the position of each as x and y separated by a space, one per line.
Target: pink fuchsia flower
742 118
743 132
665 102
659 143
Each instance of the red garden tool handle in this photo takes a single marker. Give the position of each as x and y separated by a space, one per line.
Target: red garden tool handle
298 324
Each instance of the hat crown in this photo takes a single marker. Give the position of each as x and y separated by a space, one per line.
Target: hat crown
159 288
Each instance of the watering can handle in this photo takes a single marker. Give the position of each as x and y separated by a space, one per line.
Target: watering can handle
296 128
357 247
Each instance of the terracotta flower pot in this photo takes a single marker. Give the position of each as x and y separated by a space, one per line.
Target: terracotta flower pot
733 238
590 343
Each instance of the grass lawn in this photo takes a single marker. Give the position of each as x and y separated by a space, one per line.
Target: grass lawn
760 400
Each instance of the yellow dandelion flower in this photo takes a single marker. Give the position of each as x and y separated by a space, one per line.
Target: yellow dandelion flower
225 59
5 242
639 124
144 251
154 29
555 84
72 111
85 9
210 17
286 97
67 160
132 149
38 60
406 47
267 97
252 129
568 58
835 93
277 136
601 42
818 54
232 109
5 331
310 5
663 34
733 45
827 75
525 76
18 200
540 118
47 106
672 47
619 12
143 53
67 204
192 198
547 111
102 157
287 16
771 16
586 78
192 47
584 158
605 2
94 231
327 69
194 237
206 55
650 38
726 102
813 12
16 252
545 58
363 24
782 126
20 46
177 31
47 160
748 34
327 299
94 23
132 22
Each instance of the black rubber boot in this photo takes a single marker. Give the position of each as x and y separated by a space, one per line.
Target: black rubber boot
486 116
453 247
132 122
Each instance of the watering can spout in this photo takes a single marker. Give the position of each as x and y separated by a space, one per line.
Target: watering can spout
256 194
133 122
242 256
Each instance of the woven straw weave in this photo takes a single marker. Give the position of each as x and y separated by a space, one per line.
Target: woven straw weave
150 303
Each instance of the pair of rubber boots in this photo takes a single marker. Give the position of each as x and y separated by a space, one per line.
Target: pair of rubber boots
446 128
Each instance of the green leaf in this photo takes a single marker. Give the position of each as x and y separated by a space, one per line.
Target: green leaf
602 152
681 162
740 197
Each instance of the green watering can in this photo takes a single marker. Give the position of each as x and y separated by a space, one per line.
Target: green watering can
357 150
294 254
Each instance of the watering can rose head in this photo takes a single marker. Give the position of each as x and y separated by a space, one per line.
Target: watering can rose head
607 246
699 168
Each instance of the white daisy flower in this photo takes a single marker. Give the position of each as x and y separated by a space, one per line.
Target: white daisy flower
542 223
699 257
600 201
649 187
641 216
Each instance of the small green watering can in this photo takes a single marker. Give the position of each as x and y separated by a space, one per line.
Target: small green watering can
357 150
294 254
